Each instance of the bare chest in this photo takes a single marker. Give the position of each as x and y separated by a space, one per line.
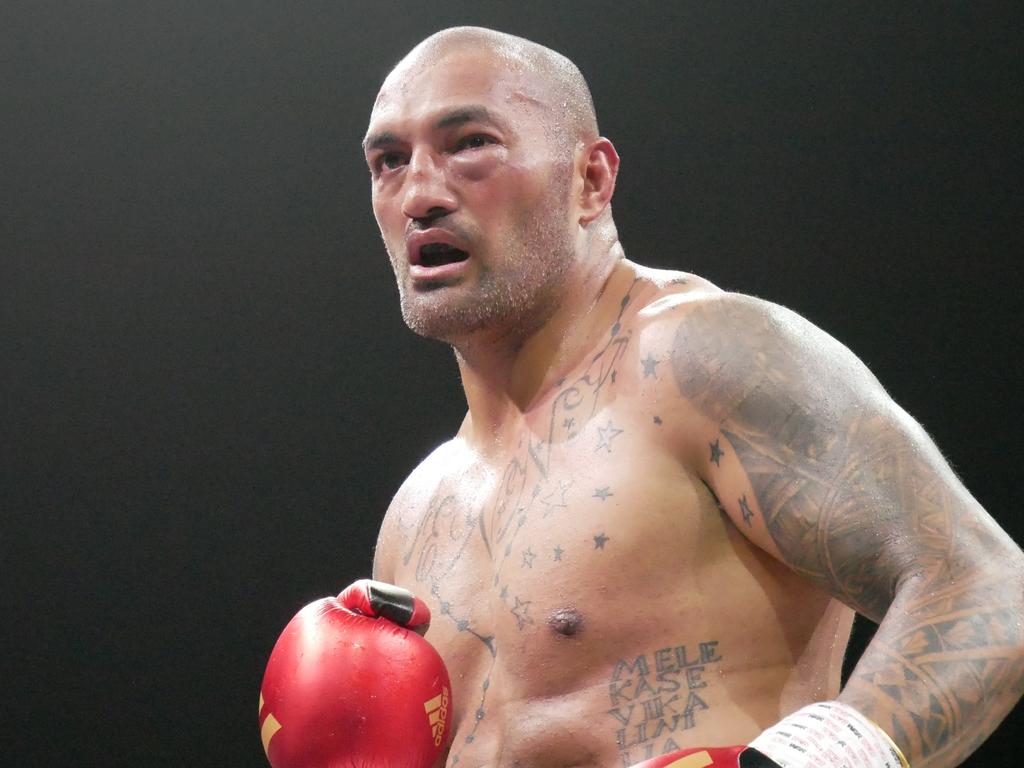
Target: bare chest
593 604
523 557
556 577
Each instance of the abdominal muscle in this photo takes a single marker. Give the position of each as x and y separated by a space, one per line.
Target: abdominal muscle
575 729
652 701
611 671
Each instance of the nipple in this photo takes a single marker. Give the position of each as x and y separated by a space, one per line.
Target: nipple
566 622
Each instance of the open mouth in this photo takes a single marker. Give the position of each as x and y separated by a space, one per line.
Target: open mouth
439 254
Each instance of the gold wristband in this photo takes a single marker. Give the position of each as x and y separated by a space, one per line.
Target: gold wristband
892 744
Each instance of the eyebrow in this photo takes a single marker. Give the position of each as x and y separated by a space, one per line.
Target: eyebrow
377 140
472 113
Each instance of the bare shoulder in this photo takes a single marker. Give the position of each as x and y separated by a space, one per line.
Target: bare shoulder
669 287
698 319
807 453
402 517
737 355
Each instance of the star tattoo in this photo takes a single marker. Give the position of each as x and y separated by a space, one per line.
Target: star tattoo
745 510
602 493
556 499
650 364
558 553
600 540
716 452
521 610
528 557
605 435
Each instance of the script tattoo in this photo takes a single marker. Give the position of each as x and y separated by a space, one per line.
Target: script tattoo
574 406
655 697
859 501
441 537
526 484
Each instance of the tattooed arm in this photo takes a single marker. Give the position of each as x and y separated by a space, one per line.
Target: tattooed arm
813 461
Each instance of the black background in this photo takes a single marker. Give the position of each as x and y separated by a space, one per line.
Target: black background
208 396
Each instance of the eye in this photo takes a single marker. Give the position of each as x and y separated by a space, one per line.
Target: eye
474 141
388 161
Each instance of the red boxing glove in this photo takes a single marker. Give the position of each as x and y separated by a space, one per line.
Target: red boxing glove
710 757
351 684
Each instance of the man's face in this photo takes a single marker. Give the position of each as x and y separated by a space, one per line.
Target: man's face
471 191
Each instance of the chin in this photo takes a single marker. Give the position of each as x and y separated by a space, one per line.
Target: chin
493 306
441 327
450 321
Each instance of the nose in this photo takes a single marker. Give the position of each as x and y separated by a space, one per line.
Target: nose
426 195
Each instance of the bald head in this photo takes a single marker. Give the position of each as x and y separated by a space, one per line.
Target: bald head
488 144
556 84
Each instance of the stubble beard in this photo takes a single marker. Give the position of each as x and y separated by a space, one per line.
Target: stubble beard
514 293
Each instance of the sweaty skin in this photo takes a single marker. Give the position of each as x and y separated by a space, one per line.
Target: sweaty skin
666 500
594 603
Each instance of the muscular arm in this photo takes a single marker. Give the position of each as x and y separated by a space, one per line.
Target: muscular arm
815 463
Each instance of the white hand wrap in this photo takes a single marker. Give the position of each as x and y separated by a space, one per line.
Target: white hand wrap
829 735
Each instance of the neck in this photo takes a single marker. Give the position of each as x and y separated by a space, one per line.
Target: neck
504 374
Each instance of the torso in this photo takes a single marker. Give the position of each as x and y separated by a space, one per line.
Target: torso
594 605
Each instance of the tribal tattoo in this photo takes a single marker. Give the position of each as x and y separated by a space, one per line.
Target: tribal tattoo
856 497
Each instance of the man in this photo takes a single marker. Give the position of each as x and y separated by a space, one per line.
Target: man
666 501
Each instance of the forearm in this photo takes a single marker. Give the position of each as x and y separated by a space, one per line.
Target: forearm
945 666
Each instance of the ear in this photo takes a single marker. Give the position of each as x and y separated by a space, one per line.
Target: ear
598 168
